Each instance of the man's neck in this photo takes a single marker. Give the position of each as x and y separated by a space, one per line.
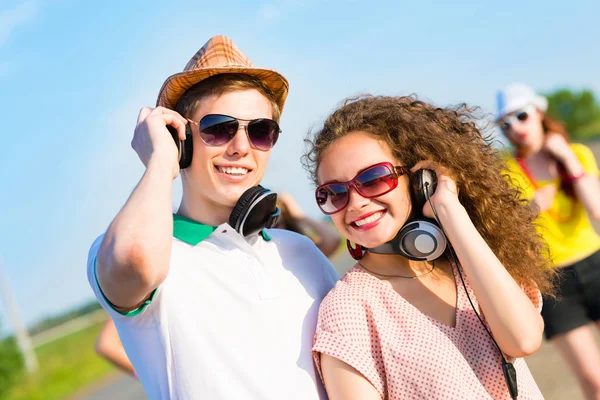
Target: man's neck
202 210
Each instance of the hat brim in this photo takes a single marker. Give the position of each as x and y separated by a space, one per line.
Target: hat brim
539 102
176 85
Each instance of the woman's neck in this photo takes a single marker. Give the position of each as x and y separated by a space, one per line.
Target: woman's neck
540 156
393 264
540 165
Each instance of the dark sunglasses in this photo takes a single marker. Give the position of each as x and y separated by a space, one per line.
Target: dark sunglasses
218 129
372 181
519 115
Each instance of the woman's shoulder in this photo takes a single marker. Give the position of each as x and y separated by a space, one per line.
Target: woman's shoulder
356 293
585 155
513 173
581 150
355 285
510 163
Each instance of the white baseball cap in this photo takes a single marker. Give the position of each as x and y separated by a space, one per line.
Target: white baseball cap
516 96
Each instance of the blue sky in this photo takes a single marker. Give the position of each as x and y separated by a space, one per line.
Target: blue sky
74 74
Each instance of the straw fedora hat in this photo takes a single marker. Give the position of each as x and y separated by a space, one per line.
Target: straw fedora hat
219 56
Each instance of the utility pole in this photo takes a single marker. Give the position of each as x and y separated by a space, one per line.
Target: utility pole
20 331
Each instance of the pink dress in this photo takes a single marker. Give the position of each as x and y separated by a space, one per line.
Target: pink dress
407 355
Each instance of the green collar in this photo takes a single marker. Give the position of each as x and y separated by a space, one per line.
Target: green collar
193 232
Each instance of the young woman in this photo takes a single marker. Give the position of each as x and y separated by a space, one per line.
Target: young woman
561 180
399 328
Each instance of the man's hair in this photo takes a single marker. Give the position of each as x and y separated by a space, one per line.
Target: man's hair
220 84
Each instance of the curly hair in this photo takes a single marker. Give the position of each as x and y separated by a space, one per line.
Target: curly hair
416 131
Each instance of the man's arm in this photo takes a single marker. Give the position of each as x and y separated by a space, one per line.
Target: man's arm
133 258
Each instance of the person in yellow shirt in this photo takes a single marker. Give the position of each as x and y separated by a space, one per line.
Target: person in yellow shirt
561 180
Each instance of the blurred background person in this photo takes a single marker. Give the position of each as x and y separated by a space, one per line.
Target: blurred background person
293 218
561 180
109 346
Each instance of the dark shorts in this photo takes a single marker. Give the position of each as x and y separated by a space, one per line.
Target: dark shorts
578 301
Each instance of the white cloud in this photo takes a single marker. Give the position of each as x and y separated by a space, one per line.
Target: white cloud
10 20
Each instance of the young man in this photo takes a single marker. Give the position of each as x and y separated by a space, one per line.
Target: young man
204 312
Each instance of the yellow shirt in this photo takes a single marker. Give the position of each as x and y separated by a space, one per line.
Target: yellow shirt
565 226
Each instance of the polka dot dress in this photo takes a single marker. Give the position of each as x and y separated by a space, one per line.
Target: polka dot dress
407 355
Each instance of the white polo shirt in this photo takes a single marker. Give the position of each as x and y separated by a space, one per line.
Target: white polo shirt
234 319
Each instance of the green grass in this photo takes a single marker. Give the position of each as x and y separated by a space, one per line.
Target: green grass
65 366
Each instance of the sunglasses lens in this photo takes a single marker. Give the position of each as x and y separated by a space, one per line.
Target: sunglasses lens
522 116
216 130
332 197
263 133
376 181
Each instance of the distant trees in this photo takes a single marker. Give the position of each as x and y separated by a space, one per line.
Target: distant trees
11 365
579 111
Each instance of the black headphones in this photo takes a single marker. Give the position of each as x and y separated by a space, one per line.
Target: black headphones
420 238
184 147
255 210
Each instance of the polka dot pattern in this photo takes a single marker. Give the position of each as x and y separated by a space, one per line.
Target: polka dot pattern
407 355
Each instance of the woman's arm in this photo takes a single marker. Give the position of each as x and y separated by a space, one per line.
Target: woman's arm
513 319
587 187
108 346
343 382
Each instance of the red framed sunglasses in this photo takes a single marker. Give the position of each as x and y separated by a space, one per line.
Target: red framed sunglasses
373 181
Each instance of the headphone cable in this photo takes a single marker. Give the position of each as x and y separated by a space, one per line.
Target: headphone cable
510 373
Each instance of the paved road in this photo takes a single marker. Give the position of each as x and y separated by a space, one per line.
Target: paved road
121 387
554 380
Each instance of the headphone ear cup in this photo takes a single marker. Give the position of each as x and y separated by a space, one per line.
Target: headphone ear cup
184 147
421 240
187 149
242 205
423 180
